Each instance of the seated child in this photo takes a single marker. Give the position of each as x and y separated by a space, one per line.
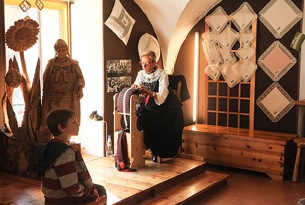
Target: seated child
64 175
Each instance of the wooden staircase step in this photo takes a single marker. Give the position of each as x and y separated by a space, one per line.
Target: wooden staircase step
188 190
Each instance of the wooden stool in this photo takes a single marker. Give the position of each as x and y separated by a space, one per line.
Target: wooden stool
298 173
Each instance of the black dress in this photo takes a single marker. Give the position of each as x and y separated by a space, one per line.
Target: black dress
162 124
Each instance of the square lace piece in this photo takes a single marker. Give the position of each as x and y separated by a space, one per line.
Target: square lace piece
120 22
230 74
228 37
211 52
226 55
279 16
218 19
246 37
275 93
243 16
276 61
246 70
246 53
213 71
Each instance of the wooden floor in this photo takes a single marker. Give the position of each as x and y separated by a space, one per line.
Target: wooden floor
164 182
244 187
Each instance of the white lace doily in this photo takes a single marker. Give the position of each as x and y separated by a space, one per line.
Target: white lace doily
218 19
246 53
276 61
213 71
228 37
246 70
275 93
279 16
243 16
230 74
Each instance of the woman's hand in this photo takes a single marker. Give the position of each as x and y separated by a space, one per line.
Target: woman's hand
135 86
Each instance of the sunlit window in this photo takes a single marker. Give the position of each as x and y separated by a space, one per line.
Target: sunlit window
52 20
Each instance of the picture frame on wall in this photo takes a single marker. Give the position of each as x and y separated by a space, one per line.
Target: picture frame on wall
118 74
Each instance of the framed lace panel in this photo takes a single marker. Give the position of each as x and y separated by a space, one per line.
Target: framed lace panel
279 16
243 16
276 61
275 102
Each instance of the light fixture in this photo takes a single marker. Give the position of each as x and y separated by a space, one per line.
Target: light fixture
196 72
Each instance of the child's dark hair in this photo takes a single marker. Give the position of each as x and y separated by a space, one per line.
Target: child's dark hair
58 117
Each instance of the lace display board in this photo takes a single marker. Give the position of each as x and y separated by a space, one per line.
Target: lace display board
275 93
219 41
279 16
276 61
229 101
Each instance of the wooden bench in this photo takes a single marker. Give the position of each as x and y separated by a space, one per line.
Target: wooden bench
263 151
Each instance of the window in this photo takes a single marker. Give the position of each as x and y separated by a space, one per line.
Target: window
52 20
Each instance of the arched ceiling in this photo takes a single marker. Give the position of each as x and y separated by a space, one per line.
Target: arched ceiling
172 20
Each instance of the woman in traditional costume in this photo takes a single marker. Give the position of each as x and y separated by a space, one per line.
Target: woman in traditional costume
161 118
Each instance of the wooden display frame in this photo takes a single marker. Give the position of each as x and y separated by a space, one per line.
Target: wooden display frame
224 106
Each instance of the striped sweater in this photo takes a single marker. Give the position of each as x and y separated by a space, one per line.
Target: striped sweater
67 180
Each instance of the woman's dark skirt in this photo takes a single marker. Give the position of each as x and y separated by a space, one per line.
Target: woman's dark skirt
162 129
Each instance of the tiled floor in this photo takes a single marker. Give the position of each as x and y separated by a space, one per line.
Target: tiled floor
252 188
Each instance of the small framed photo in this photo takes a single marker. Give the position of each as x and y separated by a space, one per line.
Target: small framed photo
118 73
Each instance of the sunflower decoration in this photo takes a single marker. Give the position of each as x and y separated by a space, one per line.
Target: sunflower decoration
13 78
22 35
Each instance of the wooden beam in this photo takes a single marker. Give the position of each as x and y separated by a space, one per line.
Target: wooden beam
2 56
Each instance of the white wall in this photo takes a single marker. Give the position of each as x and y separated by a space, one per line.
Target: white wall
87 48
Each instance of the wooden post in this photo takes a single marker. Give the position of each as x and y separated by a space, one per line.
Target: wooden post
2 55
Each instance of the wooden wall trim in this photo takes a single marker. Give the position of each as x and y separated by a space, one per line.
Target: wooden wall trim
2 57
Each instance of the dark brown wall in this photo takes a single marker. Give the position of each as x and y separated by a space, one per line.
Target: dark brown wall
115 48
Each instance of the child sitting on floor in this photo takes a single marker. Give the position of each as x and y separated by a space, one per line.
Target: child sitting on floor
65 178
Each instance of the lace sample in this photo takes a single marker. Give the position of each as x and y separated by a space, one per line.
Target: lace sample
276 61
275 93
246 70
218 19
213 71
243 17
279 16
230 73
120 22
228 37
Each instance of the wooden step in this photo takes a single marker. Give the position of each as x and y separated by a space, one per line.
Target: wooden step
188 190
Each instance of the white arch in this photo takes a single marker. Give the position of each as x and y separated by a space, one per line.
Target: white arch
172 20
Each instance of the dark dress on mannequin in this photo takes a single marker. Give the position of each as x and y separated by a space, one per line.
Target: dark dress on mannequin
162 124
